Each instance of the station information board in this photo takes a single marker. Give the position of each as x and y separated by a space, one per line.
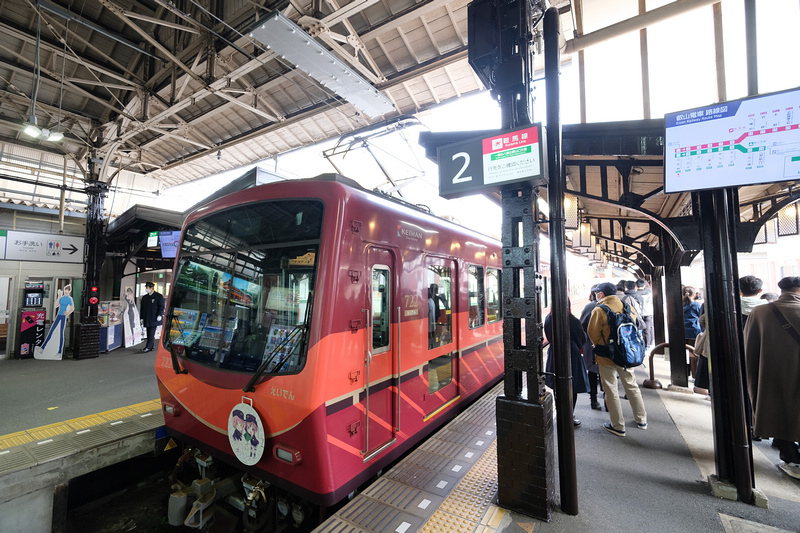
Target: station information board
732 144
27 246
485 163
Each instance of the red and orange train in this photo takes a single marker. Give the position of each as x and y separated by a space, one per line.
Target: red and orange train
317 331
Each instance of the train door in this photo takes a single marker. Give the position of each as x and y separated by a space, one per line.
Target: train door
381 361
442 371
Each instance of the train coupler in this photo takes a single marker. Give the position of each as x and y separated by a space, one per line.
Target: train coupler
257 510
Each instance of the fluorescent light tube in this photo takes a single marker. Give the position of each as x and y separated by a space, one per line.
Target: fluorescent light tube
289 41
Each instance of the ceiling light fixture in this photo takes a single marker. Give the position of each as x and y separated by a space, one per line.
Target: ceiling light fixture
32 128
291 42
584 236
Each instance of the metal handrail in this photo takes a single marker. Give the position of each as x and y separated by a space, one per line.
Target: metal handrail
367 363
653 383
399 368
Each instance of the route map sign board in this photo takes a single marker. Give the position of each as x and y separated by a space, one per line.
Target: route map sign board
486 163
26 246
730 144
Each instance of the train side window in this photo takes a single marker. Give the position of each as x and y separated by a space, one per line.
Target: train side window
493 288
380 308
439 293
440 372
476 297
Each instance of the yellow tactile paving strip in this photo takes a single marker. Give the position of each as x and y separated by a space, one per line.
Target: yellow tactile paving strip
117 414
85 422
50 430
76 424
15 439
146 407
469 507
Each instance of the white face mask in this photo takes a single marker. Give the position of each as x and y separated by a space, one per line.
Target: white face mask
150 290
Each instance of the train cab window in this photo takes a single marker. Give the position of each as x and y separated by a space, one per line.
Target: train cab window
440 372
381 308
243 290
493 291
476 297
439 291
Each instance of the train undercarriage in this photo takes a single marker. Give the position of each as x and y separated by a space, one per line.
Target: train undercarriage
210 496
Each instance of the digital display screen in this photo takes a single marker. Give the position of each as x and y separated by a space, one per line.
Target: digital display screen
731 144
169 242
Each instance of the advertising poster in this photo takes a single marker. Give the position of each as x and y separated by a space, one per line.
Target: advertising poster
131 324
31 331
184 330
241 292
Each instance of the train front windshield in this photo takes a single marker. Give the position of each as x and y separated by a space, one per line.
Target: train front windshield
242 292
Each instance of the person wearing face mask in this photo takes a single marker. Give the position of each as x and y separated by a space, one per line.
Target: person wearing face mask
151 312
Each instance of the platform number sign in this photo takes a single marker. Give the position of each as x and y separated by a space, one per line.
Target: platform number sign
485 163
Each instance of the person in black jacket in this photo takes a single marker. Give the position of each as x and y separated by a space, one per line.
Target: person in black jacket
580 378
151 312
588 353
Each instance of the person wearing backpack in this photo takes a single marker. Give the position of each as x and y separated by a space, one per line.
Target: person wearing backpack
600 333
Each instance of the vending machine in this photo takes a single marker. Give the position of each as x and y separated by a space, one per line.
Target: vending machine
31 319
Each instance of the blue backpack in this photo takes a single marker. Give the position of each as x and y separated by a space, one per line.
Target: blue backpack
625 345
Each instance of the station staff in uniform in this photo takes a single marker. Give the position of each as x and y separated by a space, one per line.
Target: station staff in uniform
151 311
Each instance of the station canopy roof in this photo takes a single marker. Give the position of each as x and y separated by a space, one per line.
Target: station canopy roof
150 95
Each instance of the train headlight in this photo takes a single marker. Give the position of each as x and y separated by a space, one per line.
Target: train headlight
298 515
283 507
170 409
287 454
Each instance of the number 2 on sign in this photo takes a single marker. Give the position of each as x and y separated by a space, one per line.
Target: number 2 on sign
458 177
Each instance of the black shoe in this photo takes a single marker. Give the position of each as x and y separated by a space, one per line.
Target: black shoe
596 405
608 427
576 422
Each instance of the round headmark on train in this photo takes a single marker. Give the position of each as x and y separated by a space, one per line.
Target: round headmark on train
246 434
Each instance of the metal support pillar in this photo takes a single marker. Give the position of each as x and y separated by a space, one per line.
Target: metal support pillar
88 331
658 304
678 369
525 450
501 55
522 291
751 48
558 269
733 453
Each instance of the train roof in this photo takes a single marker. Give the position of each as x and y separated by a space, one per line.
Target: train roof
333 177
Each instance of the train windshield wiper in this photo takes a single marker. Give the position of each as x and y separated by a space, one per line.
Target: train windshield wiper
301 330
286 341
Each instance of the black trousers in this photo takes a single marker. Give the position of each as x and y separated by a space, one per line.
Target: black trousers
649 331
593 385
788 450
151 334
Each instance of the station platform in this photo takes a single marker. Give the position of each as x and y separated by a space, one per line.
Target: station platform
653 480
656 480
